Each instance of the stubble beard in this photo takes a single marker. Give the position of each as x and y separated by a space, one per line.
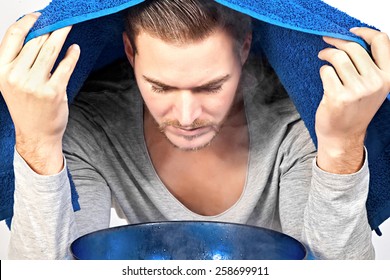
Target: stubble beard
217 127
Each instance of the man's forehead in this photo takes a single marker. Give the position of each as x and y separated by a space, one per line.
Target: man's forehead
149 35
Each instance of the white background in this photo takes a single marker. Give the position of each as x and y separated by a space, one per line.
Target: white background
373 12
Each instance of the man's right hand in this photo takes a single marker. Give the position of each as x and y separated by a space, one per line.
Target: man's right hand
36 96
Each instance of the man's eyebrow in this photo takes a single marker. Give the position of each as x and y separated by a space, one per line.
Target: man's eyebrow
209 84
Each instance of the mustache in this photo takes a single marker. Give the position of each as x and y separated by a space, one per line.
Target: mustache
195 124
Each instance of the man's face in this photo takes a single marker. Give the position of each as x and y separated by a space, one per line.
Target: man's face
188 89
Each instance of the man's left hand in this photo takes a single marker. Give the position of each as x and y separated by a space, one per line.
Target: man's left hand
355 86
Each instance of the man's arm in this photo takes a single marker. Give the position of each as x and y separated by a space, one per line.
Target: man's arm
355 86
36 98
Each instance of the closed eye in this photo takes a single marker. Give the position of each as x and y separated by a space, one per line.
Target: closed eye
209 90
160 89
213 86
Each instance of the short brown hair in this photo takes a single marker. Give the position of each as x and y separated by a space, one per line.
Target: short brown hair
185 21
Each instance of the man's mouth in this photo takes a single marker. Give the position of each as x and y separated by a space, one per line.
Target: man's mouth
189 132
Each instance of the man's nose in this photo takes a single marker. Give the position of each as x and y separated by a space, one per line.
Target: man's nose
187 108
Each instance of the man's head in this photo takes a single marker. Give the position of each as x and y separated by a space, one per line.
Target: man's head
187 57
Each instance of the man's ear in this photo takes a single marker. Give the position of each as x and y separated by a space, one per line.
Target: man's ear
246 47
128 48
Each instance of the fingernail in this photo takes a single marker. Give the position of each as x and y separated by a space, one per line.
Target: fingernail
75 47
353 29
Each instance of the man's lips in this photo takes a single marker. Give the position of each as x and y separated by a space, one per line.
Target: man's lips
188 132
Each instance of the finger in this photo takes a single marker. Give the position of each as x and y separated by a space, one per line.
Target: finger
330 80
49 52
358 55
61 76
14 38
342 64
29 53
380 45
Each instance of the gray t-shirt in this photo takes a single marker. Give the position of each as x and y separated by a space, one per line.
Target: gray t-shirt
106 153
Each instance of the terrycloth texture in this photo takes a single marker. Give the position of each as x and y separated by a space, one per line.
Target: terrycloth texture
288 34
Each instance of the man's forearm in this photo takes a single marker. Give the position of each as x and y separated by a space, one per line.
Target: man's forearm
43 224
336 225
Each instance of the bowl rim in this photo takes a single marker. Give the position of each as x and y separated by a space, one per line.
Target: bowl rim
189 222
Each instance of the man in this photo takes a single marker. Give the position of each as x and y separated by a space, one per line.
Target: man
193 138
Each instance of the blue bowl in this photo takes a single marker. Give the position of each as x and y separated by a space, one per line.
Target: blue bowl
187 240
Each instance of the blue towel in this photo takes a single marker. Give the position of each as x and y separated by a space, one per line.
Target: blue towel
289 33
